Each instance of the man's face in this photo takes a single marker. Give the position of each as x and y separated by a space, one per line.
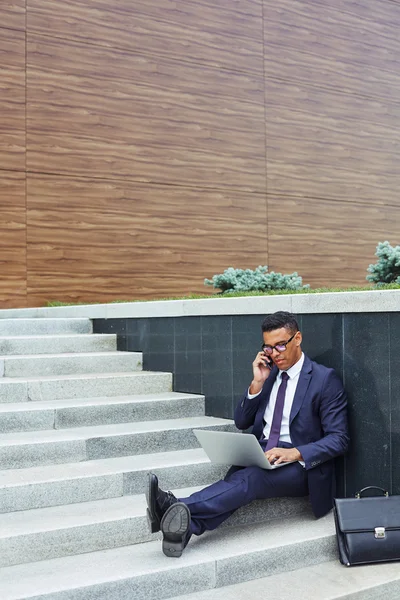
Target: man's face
286 359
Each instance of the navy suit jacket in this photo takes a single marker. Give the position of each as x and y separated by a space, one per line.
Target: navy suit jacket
318 426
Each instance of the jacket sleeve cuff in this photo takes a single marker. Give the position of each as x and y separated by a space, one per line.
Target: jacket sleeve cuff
309 458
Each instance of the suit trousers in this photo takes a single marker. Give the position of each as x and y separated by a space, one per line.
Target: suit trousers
214 504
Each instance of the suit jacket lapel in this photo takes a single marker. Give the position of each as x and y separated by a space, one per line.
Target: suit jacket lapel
268 387
266 392
302 386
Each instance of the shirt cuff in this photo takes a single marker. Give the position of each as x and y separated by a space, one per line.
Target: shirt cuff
251 396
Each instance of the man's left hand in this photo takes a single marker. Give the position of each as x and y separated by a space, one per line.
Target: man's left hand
277 456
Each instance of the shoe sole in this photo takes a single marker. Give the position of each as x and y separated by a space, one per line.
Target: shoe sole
152 520
175 526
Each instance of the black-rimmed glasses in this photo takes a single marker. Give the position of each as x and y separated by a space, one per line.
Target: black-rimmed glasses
279 347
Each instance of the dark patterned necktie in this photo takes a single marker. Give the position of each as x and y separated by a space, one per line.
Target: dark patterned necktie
275 432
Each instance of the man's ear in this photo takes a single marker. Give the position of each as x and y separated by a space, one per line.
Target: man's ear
299 338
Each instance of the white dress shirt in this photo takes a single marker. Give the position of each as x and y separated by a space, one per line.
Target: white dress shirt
293 374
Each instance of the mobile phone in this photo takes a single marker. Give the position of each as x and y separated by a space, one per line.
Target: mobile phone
269 363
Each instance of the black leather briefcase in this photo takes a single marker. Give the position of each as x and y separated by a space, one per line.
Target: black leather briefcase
368 529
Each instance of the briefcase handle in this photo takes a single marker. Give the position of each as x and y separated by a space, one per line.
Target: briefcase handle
372 487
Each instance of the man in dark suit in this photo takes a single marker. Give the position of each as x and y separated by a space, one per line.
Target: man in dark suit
297 409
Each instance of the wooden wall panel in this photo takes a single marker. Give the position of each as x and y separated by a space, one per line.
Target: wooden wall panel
12 99
107 113
12 14
101 240
156 129
223 34
372 11
12 239
329 242
333 145
350 46
332 77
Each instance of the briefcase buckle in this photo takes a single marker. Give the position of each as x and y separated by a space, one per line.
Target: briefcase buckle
380 533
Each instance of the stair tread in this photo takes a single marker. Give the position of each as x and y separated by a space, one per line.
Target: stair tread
325 581
44 336
144 559
64 355
47 319
72 515
114 374
98 468
95 401
83 433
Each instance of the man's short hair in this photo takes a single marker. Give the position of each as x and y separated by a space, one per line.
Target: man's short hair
278 320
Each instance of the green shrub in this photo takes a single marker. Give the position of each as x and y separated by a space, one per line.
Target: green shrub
387 267
246 280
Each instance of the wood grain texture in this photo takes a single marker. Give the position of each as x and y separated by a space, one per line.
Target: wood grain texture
12 99
101 240
353 47
12 239
12 14
329 242
155 129
224 34
115 114
326 144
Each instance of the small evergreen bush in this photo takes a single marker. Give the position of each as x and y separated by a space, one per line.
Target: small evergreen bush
246 280
387 267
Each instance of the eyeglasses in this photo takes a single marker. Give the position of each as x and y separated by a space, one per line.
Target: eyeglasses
279 347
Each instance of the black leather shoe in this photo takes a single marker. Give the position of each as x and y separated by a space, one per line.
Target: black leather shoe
158 502
175 526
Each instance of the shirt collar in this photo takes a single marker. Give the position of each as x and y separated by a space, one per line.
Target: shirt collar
294 369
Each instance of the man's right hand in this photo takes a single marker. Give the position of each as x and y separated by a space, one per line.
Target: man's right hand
260 373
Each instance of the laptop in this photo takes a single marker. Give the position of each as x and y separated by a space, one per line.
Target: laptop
232 448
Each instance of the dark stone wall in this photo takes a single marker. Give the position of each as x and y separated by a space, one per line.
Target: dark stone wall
212 355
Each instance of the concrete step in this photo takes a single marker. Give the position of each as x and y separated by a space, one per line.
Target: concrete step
22 389
38 365
219 558
14 327
70 483
32 448
47 533
57 344
78 412
326 581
